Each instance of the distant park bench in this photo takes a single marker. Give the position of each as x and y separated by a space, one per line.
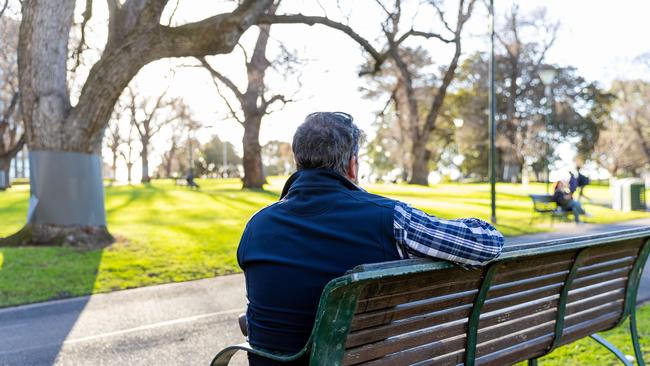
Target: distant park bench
534 298
543 204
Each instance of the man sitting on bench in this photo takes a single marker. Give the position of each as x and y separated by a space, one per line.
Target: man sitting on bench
324 225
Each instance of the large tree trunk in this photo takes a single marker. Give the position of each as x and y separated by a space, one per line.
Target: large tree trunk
420 168
64 204
253 112
253 168
129 168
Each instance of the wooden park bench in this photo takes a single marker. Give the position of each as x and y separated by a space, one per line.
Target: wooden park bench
543 204
533 299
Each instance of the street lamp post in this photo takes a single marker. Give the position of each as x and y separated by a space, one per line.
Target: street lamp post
547 75
492 122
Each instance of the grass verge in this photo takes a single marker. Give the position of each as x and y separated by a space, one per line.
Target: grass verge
168 233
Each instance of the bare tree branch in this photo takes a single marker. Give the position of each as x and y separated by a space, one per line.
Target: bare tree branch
76 54
275 98
13 103
312 20
171 17
383 7
243 50
222 78
427 35
430 121
211 35
227 102
441 15
4 7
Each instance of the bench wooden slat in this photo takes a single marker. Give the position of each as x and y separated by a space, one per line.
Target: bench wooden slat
417 293
390 286
414 355
519 352
584 329
413 309
440 318
402 342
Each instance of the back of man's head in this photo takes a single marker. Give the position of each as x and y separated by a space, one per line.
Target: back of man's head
326 140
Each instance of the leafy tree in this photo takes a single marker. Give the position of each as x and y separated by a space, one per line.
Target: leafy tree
278 158
210 159
522 142
623 147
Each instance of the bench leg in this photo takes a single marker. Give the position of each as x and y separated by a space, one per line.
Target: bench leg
612 349
223 357
532 362
635 338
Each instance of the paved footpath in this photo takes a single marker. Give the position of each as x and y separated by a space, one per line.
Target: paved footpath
174 324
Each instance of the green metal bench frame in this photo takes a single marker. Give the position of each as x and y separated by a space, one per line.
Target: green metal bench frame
326 344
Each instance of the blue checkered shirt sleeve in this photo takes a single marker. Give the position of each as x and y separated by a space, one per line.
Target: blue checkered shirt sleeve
466 241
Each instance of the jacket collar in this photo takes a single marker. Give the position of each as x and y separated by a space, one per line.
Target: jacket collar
317 178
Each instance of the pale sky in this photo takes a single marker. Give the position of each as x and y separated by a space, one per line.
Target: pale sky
599 37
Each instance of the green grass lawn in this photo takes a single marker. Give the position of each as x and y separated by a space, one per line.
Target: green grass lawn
168 234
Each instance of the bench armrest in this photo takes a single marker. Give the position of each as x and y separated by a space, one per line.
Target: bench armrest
223 357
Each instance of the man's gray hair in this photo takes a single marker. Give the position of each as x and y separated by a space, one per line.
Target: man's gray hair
326 140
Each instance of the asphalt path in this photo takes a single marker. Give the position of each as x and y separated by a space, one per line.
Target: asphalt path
175 324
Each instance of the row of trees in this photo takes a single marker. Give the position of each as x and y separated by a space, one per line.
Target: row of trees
424 94
137 120
219 159
610 127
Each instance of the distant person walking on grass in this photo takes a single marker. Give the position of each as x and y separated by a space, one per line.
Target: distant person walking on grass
573 183
191 182
324 225
562 196
582 182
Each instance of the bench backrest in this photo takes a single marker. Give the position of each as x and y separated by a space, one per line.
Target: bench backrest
543 202
536 297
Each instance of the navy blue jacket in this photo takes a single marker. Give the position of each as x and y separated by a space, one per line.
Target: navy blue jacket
323 226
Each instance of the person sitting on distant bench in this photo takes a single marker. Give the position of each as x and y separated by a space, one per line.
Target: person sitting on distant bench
562 196
324 225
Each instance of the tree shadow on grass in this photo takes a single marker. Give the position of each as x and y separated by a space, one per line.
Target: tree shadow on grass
35 334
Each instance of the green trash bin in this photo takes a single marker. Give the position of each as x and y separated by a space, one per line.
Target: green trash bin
637 197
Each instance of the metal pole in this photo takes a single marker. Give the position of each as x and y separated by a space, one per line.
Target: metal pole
492 121
548 116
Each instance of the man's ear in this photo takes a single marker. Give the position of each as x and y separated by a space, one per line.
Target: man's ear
352 169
